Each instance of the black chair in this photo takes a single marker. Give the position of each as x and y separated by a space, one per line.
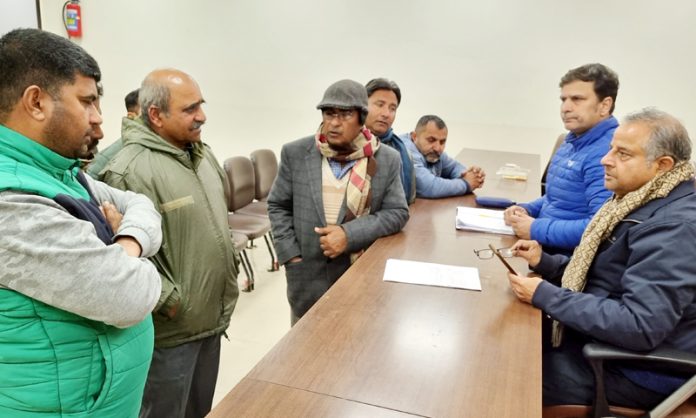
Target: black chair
681 403
557 145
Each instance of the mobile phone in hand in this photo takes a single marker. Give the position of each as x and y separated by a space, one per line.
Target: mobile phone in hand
502 260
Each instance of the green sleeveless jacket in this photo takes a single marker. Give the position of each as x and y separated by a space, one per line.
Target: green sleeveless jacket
54 363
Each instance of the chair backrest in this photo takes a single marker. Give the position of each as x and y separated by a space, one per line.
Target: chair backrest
557 145
240 179
265 171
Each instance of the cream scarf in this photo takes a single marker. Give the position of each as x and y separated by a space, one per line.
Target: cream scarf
358 190
603 223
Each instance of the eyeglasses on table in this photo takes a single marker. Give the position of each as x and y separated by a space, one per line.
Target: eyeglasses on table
486 253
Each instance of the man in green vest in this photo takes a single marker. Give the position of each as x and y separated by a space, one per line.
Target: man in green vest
76 292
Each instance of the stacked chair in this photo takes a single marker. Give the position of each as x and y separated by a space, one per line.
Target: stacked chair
247 217
265 168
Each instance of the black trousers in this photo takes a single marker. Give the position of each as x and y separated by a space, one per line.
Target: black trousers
568 378
181 380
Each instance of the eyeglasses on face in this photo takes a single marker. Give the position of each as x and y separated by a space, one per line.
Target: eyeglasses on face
342 114
487 253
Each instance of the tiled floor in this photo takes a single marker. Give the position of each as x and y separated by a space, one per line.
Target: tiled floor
261 318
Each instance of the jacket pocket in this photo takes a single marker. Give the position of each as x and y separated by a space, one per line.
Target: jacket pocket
105 353
176 204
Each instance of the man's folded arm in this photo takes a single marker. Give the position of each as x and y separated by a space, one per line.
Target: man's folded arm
431 186
140 218
51 256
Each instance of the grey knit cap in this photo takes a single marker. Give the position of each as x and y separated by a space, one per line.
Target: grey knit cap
345 94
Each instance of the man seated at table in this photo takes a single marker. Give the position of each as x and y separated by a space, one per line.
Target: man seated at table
438 174
632 280
575 181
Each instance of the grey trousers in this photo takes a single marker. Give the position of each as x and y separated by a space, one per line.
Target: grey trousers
181 380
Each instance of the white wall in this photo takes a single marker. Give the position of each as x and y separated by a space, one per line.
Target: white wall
489 68
17 13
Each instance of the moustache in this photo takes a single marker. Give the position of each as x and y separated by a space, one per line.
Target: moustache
196 125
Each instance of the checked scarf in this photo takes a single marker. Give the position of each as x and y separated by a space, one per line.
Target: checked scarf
358 190
603 223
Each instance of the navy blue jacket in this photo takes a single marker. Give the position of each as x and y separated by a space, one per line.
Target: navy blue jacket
641 286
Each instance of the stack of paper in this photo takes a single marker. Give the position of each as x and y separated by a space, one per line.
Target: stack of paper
431 274
484 220
513 172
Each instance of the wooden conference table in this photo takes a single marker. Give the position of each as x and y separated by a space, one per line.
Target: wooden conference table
371 348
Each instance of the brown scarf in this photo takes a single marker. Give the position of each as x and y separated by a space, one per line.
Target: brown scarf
358 190
603 223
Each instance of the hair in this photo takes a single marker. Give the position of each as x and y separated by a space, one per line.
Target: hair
424 120
132 100
362 115
383 84
668 137
606 82
153 93
34 57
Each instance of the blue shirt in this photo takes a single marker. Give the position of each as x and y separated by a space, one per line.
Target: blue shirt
440 179
340 168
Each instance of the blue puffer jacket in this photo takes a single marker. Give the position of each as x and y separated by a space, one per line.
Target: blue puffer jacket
574 188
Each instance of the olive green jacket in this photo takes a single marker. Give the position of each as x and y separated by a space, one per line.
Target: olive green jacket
197 261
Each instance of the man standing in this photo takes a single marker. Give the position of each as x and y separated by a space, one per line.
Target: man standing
574 186
75 296
437 174
631 281
163 157
383 99
102 158
336 192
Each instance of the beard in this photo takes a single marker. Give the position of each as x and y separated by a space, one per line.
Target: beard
60 136
91 150
432 157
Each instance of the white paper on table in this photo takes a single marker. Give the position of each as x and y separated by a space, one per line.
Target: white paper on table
483 220
431 274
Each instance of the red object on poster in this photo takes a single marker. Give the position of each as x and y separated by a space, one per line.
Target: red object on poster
73 20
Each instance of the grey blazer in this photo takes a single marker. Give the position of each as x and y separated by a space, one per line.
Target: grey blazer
295 207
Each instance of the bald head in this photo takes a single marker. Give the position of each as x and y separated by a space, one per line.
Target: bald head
170 102
156 90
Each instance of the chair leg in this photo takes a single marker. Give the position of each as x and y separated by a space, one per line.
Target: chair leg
600 407
246 265
274 260
250 273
